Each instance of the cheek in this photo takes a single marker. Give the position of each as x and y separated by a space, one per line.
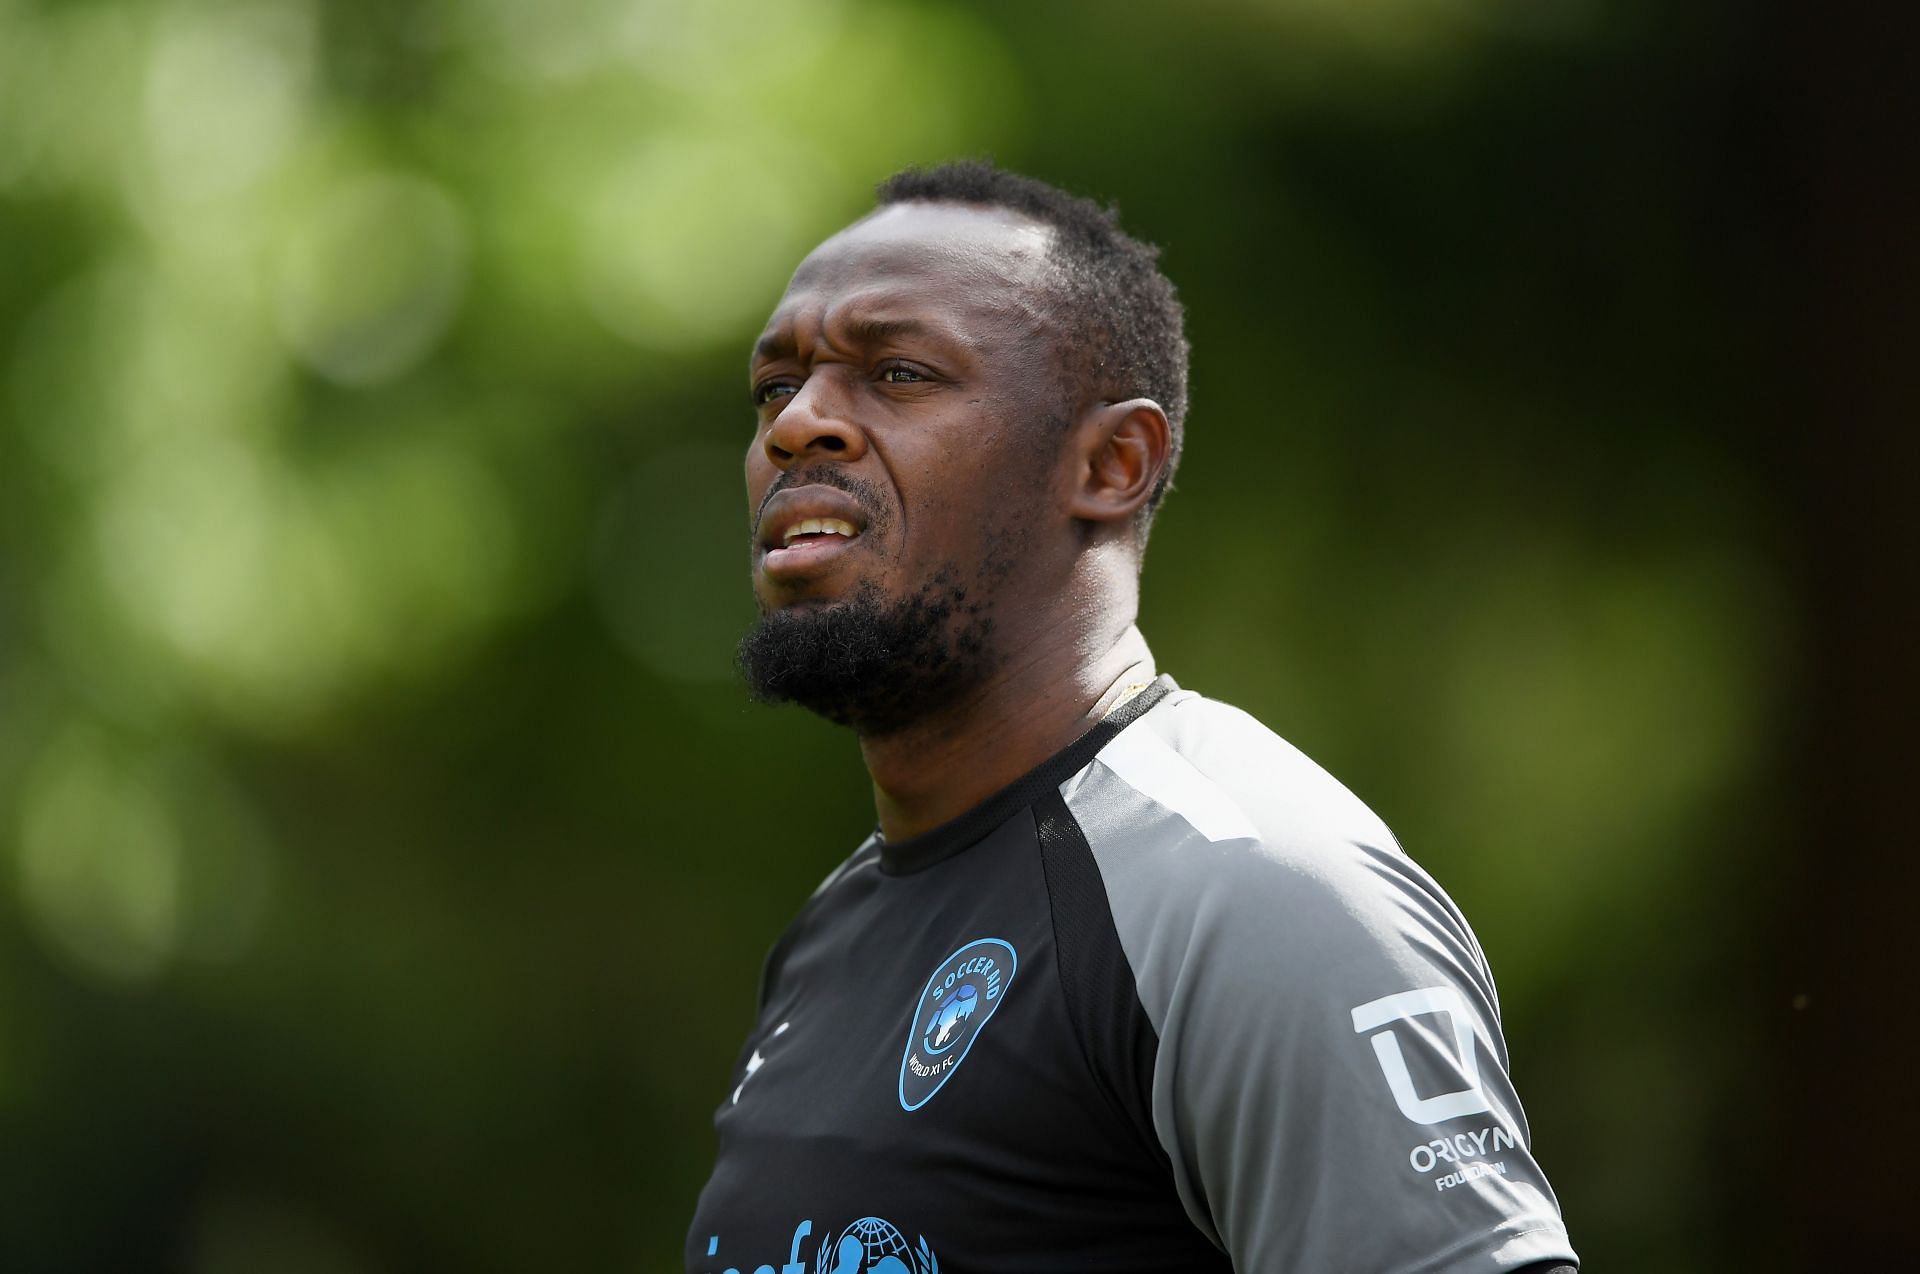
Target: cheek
982 519
759 473
1013 479
972 483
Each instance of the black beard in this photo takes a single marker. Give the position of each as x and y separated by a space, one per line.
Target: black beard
868 664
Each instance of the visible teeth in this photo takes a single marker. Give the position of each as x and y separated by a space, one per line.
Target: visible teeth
817 526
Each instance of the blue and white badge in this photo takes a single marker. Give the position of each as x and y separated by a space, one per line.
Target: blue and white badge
959 998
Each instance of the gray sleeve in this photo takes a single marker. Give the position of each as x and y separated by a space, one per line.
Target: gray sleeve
1330 1081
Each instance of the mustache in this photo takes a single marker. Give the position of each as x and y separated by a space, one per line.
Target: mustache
866 494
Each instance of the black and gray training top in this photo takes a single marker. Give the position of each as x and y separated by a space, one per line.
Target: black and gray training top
1174 1001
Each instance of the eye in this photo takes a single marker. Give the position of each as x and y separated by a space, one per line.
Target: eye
768 391
897 375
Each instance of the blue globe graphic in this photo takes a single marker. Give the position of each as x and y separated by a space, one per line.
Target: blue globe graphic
878 1239
878 1242
941 1030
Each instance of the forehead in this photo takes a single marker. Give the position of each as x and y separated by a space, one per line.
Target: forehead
969 267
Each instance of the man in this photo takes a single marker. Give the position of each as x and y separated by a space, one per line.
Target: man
1122 982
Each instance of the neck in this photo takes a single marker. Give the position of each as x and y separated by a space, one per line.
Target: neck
1036 704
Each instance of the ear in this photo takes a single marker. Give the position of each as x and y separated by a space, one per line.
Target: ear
1116 452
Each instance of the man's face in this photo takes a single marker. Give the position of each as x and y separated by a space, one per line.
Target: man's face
896 481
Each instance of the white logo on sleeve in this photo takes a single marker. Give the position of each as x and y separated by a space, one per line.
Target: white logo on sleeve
1404 1006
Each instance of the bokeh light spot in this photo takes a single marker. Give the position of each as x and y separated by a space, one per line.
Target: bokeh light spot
132 856
226 92
684 244
372 277
184 542
99 860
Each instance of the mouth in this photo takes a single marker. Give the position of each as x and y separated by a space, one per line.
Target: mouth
812 530
808 545
804 529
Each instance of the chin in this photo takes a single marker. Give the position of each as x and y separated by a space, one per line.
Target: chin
775 596
875 663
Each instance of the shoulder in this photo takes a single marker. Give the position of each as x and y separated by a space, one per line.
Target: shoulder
865 855
1230 777
1212 833
855 867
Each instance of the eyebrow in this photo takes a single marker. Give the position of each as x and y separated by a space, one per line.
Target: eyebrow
863 329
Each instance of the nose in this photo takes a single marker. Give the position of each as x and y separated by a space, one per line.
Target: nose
813 425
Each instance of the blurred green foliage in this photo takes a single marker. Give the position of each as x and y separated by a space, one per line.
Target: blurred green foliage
386 850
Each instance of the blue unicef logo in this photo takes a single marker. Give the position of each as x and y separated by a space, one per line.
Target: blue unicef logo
953 1009
872 1246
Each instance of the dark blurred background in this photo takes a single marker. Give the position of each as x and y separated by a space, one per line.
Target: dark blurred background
387 851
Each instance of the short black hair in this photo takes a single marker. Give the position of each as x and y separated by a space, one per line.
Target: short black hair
1119 323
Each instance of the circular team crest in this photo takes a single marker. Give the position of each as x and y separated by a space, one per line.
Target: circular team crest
873 1246
961 995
